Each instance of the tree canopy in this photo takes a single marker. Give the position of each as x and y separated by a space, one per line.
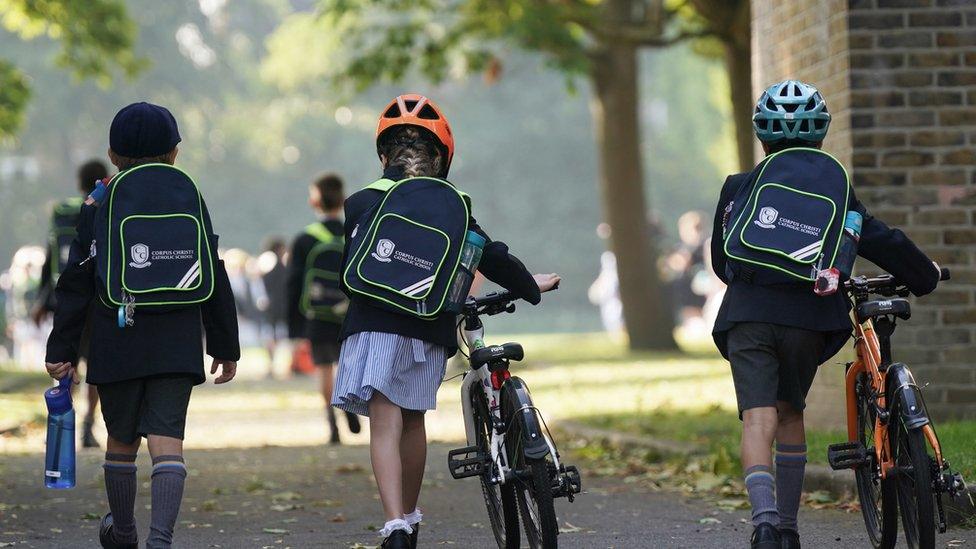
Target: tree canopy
96 40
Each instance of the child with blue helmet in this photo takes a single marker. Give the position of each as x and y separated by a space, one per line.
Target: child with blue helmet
775 331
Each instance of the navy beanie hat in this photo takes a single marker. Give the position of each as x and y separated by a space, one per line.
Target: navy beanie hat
142 130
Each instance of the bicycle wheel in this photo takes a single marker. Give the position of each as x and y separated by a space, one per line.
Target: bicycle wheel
499 498
914 484
533 478
879 504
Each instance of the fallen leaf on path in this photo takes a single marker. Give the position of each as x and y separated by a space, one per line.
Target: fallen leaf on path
287 496
91 516
730 504
350 468
339 517
709 520
275 531
326 503
280 507
569 529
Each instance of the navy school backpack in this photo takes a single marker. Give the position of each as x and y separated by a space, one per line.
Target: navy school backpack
405 249
322 296
153 241
787 220
64 222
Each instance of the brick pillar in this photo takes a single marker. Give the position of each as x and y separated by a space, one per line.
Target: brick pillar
900 81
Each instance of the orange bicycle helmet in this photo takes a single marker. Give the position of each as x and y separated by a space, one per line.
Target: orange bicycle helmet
416 110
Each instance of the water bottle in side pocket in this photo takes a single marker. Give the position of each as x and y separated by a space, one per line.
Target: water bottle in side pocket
848 244
59 460
474 244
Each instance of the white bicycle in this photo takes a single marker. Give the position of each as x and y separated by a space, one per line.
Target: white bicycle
509 445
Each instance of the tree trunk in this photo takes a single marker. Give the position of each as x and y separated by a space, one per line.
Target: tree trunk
738 63
649 321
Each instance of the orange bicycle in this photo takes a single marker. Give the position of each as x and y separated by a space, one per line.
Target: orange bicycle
892 444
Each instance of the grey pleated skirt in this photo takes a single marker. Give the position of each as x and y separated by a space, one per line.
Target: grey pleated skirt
407 371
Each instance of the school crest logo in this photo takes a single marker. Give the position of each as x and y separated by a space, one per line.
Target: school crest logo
767 218
384 249
140 256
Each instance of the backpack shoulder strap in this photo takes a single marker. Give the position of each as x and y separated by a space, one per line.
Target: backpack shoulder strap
320 232
382 185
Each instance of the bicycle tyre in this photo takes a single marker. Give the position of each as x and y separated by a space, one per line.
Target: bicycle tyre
914 487
878 497
533 483
499 498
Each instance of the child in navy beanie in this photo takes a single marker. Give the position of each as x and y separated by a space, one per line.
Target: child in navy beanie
145 371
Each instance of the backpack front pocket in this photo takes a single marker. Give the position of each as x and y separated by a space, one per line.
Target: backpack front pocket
160 253
404 256
789 223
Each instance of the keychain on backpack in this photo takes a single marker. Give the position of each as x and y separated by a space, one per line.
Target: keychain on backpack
127 311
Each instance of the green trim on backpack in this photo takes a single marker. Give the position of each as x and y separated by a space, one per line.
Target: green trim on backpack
372 242
200 232
752 195
826 232
205 244
320 232
386 185
69 207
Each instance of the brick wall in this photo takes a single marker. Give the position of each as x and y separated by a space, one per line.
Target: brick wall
900 81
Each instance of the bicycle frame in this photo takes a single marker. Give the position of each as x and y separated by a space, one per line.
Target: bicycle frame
869 361
491 385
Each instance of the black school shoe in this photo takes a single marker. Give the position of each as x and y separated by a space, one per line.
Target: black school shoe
790 539
416 533
107 539
766 536
399 539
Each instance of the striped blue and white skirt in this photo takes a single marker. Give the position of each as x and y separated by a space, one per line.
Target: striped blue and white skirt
407 371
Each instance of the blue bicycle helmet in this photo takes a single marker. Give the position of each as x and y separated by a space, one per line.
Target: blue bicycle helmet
791 110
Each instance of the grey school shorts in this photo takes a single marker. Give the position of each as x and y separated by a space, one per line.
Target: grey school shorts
773 363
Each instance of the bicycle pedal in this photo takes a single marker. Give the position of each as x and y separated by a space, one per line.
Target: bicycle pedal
569 483
466 462
847 455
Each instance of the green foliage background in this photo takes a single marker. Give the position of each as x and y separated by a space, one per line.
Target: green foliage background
525 149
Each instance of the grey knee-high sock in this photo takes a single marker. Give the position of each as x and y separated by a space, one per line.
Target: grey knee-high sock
762 495
168 477
120 487
791 462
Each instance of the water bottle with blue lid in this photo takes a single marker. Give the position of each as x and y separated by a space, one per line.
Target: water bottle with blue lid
59 460
474 244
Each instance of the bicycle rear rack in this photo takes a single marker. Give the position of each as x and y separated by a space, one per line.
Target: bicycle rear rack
466 462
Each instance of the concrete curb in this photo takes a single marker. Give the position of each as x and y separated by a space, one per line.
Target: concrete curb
839 484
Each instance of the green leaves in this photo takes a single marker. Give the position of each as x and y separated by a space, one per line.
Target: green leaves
96 38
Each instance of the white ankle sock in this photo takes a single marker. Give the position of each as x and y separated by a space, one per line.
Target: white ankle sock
395 524
413 518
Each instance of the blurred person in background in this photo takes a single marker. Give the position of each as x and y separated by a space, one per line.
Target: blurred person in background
605 290
236 262
684 264
273 280
326 197
25 282
64 219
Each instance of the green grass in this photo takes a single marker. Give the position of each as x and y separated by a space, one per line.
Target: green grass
21 399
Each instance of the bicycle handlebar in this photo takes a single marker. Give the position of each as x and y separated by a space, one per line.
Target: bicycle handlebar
885 284
493 303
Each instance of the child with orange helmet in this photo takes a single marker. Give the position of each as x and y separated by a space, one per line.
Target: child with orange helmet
392 363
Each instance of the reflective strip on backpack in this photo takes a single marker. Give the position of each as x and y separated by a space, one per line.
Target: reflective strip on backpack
419 287
806 251
190 276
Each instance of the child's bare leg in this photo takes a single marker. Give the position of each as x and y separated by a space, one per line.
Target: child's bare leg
791 460
92 404
168 478
386 431
758 431
413 457
120 488
326 387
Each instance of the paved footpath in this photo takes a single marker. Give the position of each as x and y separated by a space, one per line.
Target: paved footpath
324 497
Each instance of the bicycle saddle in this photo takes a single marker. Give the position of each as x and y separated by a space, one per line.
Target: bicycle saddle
896 306
495 353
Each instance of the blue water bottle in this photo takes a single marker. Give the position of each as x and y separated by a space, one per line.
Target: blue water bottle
59 461
474 244
848 244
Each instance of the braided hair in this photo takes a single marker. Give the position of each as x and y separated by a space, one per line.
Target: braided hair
413 149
